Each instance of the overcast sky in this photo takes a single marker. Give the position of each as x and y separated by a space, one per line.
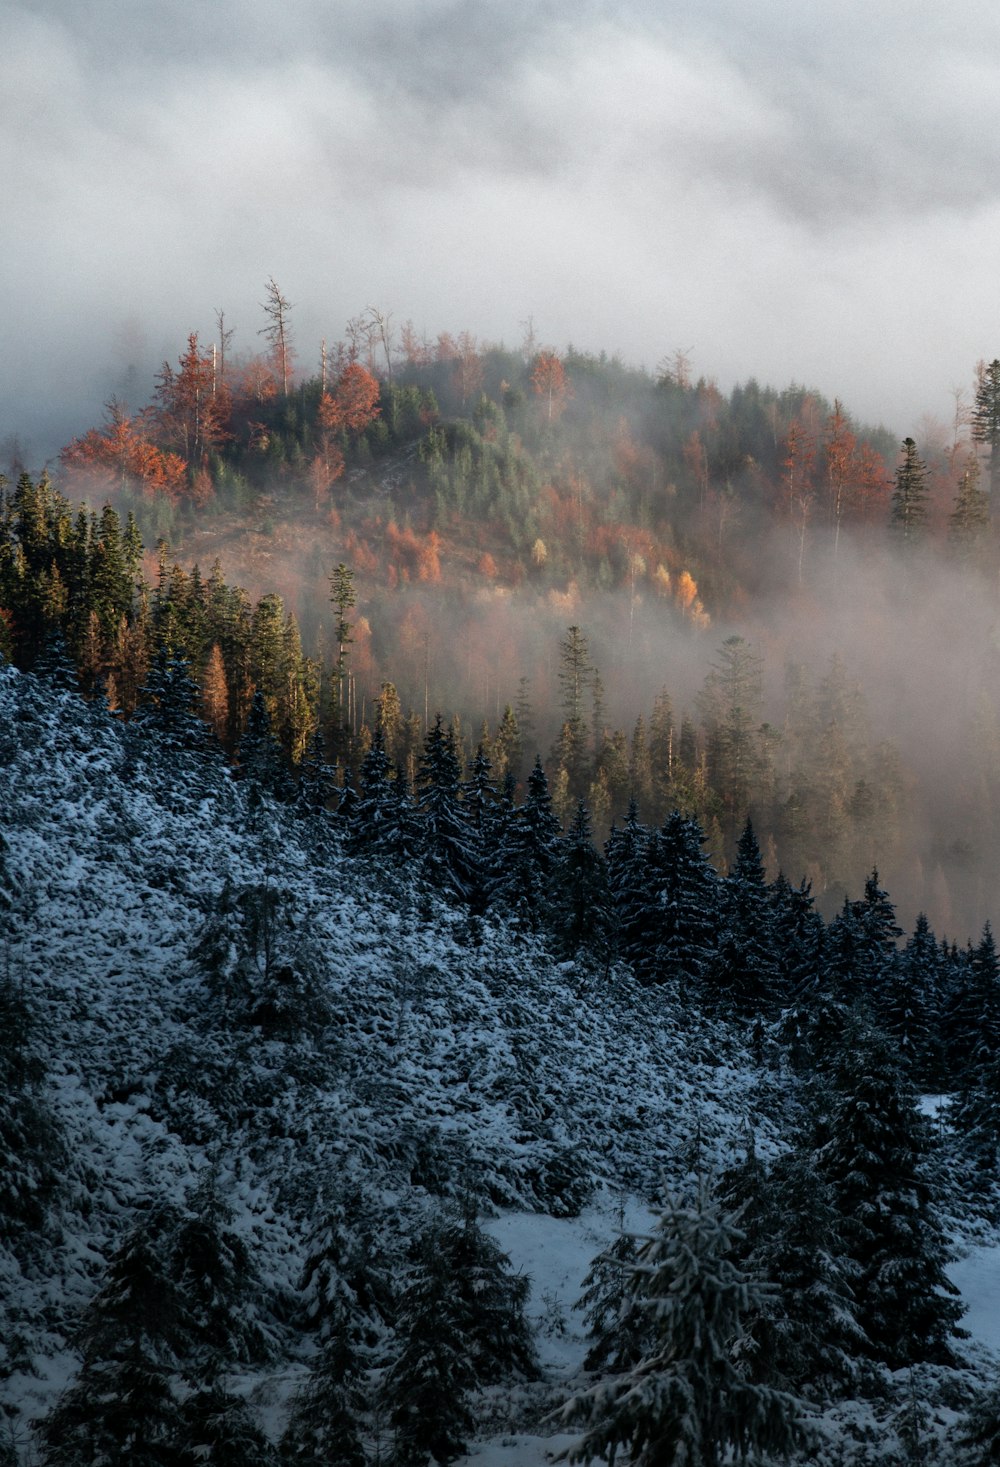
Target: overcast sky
795 192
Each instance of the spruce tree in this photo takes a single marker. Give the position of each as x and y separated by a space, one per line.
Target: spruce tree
874 1164
325 1420
691 1399
969 520
427 1389
449 842
909 498
260 755
986 418
527 858
581 916
121 1408
744 970
216 1429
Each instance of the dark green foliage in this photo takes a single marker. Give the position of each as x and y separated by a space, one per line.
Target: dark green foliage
873 1162
117 1414
619 1327
744 973
682 907
986 418
323 1425
691 1399
462 1325
803 1333
909 498
259 963
171 701
427 1389
977 1438
55 664
448 840
216 1429
346 1285
969 520
260 755
526 858
581 908
220 1285
32 1152
908 1006
121 1408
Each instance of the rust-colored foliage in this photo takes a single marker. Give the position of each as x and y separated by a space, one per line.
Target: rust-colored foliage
551 384
120 456
354 404
191 407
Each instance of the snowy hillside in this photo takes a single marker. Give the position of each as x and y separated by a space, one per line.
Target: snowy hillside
217 1011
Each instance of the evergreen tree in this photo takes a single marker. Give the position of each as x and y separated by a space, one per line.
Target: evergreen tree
582 916
168 714
619 1326
908 1006
428 1386
449 842
32 1153
576 677
986 418
909 498
216 1429
528 854
744 970
804 1334
324 1422
691 1400
686 905
345 1283
969 520
121 1409
260 755
55 664
874 1164
218 1280
317 778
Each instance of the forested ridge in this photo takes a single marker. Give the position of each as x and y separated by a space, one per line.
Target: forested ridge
522 843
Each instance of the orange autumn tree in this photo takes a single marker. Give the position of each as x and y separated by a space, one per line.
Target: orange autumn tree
191 407
353 404
550 383
119 457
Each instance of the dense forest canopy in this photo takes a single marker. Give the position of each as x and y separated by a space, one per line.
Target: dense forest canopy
740 589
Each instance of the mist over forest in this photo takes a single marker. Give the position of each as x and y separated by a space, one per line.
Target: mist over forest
770 610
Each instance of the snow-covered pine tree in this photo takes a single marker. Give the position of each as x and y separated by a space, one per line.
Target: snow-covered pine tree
691 1400
908 1005
216 1429
218 1280
685 908
324 1422
743 973
527 857
804 1334
873 1163
619 1327
449 840
626 852
32 1151
261 759
581 916
427 1389
346 1279
122 1408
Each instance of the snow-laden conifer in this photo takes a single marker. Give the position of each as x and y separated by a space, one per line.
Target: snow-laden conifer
691 1401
